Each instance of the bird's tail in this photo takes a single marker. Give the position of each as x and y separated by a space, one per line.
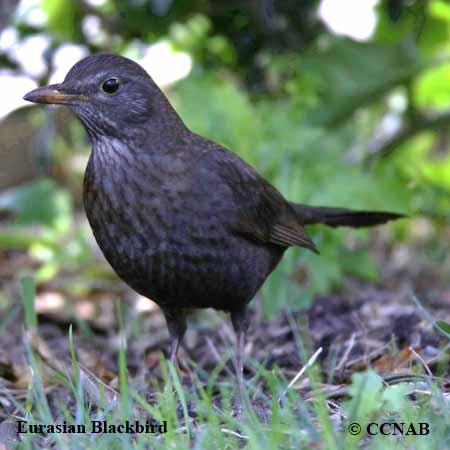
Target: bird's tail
336 217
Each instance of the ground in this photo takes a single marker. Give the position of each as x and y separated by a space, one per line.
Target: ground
385 327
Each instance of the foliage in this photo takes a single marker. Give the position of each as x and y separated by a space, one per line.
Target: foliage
44 224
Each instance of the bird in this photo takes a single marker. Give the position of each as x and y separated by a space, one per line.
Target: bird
181 219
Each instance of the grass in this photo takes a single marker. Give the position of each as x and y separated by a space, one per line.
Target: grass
279 415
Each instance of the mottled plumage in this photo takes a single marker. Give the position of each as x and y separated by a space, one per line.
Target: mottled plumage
181 219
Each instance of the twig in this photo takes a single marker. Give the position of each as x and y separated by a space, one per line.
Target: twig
419 357
349 348
217 356
420 122
233 433
308 364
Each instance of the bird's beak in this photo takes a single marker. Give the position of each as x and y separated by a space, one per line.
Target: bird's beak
52 94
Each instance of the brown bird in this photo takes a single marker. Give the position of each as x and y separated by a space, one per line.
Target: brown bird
181 219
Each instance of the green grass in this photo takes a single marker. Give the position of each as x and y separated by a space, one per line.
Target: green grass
207 416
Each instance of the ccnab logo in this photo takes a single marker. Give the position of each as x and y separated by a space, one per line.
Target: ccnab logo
399 429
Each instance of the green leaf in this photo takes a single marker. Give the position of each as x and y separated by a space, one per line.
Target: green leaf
366 392
443 326
64 19
28 300
396 399
352 74
432 87
41 202
229 118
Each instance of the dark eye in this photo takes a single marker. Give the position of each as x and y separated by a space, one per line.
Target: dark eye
111 85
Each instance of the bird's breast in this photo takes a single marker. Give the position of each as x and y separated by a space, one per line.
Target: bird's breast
152 229
135 204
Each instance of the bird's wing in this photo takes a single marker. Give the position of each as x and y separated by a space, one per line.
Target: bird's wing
262 211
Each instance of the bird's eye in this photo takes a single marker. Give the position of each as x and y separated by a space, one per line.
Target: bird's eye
111 85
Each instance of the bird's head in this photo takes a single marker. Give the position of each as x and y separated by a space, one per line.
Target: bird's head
112 95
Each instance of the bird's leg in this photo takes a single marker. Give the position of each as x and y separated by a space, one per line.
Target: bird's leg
240 323
176 324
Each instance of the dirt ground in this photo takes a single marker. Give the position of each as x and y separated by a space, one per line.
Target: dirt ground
386 325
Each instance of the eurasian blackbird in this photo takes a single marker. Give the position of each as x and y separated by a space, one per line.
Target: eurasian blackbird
181 219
